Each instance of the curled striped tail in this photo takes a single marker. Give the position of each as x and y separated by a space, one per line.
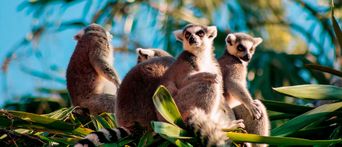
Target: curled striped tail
103 136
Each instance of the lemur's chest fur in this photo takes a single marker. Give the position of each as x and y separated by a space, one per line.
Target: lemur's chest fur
205 63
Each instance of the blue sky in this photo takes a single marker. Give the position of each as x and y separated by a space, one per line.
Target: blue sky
51 56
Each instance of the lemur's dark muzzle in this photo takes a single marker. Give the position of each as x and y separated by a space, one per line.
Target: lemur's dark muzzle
245 58
192 40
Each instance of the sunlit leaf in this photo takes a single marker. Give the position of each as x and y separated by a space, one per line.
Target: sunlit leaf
312 91
166 106
169 130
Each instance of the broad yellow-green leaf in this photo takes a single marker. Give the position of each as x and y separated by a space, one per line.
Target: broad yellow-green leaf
169 130
166 106
312 91
305 119
240 137
324 69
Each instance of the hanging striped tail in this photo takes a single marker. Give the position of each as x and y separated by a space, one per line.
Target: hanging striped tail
208 131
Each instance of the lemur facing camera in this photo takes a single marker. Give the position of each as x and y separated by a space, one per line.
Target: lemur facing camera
195 82
91 79
134 102
240 48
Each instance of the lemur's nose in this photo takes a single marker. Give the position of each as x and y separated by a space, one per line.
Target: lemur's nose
192 40
246 58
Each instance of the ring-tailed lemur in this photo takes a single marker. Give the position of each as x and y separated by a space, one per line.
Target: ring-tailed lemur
91 79
195 83
240 48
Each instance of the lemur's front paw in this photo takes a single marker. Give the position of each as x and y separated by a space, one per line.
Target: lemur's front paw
209 77
236 124
255 110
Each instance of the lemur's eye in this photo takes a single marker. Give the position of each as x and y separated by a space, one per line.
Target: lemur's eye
187 34
200 33
241 48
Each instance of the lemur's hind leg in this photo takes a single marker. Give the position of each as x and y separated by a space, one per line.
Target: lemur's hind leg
99 103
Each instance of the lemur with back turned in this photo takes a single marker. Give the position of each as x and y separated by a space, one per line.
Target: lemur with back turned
92 81
135 109
240 48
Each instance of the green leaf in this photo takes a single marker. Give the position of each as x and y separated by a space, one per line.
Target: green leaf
101 121
169 130
324 69
240 137
305 119
176 141
285 107
110 118
60 114
166 106
281 116
146 139
17 119
312 91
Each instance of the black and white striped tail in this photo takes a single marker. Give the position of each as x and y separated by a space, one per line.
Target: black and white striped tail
208 131
103 136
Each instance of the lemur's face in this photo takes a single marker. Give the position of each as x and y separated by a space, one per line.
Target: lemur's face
196 37
242 45
146 54
94 28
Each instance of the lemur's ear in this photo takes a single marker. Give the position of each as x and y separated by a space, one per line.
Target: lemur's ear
230 39
79 35
257 41
179 35
212 31
144 52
